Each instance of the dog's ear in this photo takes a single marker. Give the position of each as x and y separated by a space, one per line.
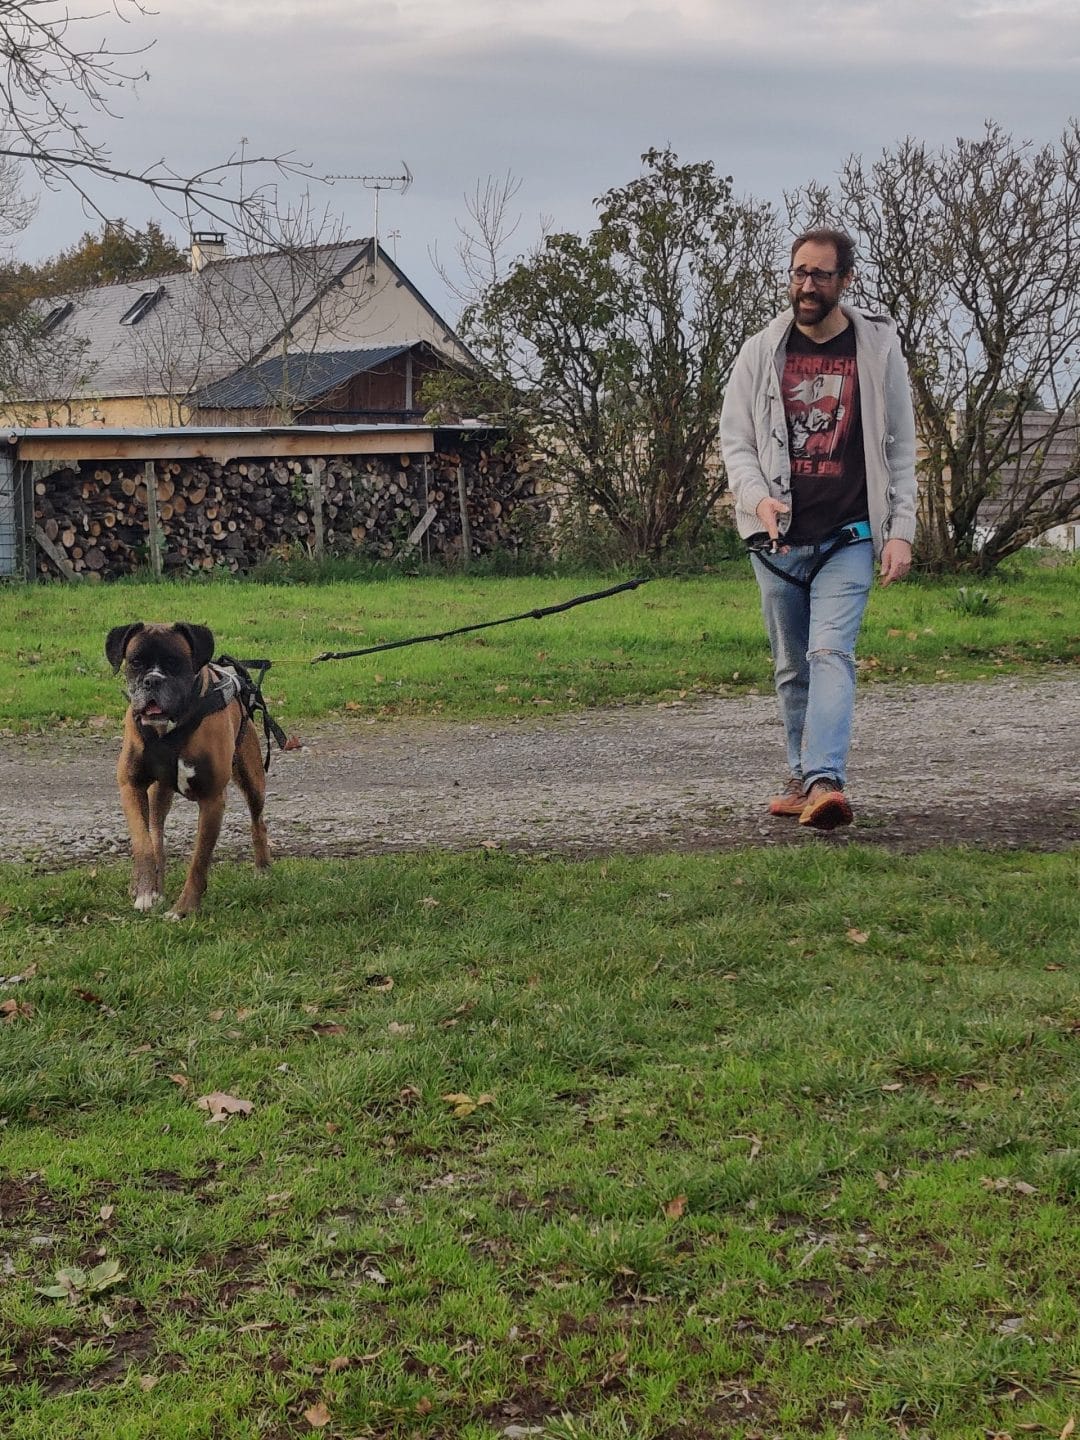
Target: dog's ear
117 640
201 641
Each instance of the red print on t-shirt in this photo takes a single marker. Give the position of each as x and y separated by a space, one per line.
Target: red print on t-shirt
820 401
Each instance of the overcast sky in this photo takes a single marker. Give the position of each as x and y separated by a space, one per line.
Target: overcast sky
566 94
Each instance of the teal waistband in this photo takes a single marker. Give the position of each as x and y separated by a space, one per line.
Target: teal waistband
859 529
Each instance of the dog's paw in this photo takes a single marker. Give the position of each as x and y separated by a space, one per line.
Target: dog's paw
148 900
174 915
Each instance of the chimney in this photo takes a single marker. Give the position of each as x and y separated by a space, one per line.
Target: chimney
206 247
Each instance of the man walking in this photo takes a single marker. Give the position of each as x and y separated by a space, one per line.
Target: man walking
818 438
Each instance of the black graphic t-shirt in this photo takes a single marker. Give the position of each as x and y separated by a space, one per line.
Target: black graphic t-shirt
825 436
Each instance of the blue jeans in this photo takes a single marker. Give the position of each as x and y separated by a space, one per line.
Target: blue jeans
812 635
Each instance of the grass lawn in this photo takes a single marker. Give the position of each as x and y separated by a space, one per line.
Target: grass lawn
669 638
678 1148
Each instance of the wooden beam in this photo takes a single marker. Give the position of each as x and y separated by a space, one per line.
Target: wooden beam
55 554
252 444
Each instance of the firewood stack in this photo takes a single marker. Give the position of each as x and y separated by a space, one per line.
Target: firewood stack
235 514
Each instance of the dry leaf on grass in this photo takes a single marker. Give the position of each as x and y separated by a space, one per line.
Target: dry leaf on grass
858 937
676 1209
221 1106
318 1417
465 1104
11 1010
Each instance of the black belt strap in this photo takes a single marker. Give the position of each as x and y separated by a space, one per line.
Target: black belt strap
847 535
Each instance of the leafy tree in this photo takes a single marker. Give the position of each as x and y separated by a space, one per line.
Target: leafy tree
975 250
115 252
612 350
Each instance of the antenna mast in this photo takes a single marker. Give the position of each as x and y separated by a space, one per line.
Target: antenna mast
400 183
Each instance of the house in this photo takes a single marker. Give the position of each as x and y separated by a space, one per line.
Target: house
315 330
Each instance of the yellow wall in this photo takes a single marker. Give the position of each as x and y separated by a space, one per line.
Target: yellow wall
116 412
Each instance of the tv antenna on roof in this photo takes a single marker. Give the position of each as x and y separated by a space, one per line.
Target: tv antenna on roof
400 183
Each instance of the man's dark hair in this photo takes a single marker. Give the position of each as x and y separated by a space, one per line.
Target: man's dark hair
840 240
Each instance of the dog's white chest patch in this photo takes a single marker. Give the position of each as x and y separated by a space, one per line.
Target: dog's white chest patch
185 774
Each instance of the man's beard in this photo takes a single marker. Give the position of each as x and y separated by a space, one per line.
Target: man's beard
812 309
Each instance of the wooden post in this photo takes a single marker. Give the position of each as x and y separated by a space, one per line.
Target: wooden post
153 529
315 481
466 533
425 490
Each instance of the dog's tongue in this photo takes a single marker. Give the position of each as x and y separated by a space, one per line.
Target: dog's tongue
152 711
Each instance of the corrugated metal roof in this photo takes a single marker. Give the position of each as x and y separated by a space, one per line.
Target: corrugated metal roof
292 378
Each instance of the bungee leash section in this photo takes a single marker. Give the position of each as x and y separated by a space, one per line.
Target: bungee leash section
763 546
483 625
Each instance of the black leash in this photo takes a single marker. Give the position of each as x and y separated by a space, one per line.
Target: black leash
253 700
484 625
763 546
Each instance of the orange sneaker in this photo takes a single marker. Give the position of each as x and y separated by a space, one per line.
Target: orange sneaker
826 806
790 801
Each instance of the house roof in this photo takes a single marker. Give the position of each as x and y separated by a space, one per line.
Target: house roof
300 377
164 334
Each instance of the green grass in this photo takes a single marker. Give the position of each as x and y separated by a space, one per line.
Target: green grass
753 1147
669 639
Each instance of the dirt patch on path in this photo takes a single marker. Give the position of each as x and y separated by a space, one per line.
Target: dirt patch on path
991 766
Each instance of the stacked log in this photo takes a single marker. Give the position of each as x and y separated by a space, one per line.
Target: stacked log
233 515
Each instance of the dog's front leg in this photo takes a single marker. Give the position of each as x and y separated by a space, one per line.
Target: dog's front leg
145 881
211 814
161 798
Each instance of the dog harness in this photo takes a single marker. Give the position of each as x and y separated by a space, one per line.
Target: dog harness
763 545
231 681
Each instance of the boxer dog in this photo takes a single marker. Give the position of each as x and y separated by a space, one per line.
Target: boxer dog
186 731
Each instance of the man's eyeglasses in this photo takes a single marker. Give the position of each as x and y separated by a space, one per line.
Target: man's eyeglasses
819 277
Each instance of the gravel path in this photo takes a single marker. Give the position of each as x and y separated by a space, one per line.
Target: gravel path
990 765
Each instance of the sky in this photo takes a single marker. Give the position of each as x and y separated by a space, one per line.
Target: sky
563 95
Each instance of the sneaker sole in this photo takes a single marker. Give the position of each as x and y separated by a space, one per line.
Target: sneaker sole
828 813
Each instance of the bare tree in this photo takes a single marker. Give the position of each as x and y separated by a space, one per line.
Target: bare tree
286 301
56 74
975 250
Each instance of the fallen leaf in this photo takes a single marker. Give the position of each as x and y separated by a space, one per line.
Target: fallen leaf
293 743
338 1363
221 1106
147 1382
1053 967
425 1405
676 1209
465 1104
395 1029
1070 1426
896 1085
858 937
106 1212
11 1010
881 1180
429 902
328 1029
378 982
318 1417
182 1080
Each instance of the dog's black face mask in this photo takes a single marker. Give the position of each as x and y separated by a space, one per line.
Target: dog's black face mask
160 664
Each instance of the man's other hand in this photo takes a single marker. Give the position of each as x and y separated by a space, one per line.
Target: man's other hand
895 559
767 512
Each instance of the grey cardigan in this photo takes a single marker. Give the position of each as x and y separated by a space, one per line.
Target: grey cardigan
754 434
